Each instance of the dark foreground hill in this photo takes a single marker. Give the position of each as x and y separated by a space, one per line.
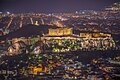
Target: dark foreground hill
29 30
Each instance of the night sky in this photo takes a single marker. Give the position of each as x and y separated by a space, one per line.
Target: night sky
53 5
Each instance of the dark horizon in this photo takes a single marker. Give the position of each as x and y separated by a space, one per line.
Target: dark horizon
46 6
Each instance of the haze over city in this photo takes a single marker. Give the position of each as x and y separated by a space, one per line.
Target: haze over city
49 6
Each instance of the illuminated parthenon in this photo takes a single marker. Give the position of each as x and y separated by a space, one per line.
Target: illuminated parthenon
60 31
63 39
68 32
86 40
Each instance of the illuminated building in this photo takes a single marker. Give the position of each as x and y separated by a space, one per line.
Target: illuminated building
35 70
36 23
16 48
43 23
114 7
90 35
57 23
60 31
84 41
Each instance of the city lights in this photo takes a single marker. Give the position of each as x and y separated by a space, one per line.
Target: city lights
61 41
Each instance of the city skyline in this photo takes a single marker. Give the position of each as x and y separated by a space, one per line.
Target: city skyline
53 5
59 40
